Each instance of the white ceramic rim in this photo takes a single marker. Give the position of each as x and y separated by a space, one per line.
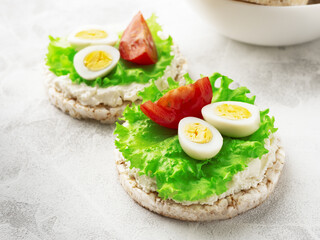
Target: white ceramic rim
267 6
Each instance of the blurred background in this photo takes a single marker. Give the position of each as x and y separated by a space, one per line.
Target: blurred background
57 174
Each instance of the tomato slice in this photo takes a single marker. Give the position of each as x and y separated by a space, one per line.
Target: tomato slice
185 101
136 44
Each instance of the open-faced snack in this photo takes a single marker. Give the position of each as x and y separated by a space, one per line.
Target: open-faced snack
180 166
95 74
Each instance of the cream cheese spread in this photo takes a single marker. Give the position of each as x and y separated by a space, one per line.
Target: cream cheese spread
250 177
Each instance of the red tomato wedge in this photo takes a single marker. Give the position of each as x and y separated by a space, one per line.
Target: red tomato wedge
136 44
185 101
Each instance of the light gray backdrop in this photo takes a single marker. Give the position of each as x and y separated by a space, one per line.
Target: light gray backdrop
57 174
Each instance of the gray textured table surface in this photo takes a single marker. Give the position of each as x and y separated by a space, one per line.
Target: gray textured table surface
57 174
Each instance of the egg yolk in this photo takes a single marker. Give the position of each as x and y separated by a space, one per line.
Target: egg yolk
197 133
92 34
97 60
232 112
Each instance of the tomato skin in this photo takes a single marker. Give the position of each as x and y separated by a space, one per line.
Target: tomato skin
136 44
164 116
185 101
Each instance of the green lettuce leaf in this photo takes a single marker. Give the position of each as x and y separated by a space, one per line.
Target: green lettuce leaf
156 151
60 55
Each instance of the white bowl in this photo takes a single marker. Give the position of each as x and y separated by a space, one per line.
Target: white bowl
263 25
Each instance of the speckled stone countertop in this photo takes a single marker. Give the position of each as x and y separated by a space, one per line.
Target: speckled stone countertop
57 174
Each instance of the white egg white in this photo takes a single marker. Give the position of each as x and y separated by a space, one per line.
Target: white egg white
199 151
84 72
233 128
80 43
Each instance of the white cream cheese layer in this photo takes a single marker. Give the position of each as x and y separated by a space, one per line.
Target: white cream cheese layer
112 96
250 177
